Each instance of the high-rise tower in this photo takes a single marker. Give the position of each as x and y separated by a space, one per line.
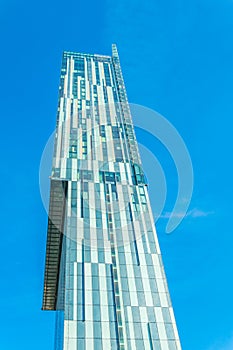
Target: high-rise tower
104 273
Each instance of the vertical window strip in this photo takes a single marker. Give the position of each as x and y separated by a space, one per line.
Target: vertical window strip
97 73
136 248
89 70
82 211
115 308
114 277
69 75
83 281
134 237
92 148
107 74
150 337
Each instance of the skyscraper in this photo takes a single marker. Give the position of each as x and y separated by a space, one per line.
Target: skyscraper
104 273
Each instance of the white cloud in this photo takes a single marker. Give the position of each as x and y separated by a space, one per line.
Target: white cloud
193 213
228 345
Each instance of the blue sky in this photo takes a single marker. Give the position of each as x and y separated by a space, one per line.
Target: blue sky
177 59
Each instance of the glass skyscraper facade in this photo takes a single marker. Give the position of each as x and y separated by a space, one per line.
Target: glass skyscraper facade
103 274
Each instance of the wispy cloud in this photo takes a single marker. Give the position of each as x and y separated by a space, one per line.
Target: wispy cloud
193 213
228 345
197 213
